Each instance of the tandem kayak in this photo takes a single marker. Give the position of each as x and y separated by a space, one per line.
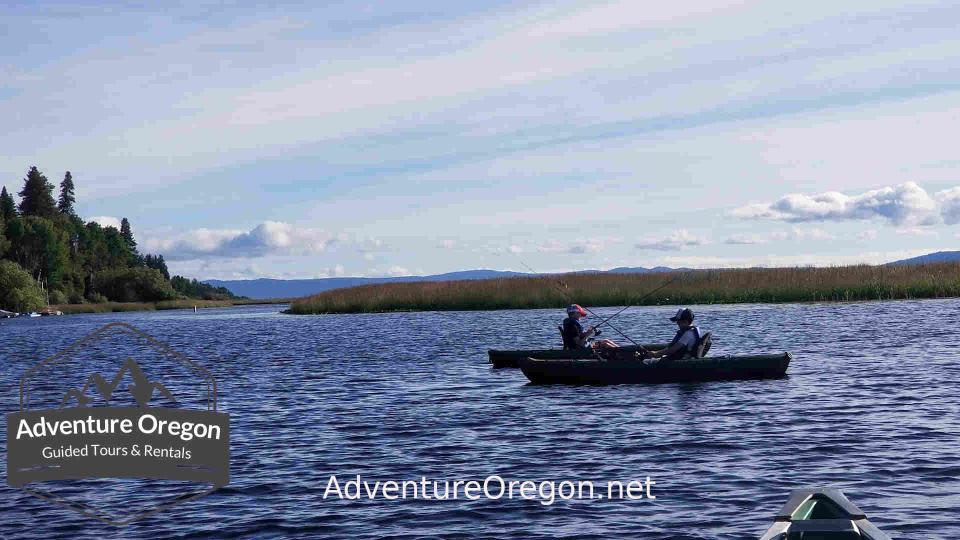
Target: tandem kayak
627 370
822 513
510 359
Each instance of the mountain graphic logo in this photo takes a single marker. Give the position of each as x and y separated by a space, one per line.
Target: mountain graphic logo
141 388
83 427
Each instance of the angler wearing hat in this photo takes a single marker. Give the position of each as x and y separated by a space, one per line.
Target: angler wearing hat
574 336
685 342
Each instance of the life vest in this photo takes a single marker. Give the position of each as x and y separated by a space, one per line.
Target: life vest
688 350
570 339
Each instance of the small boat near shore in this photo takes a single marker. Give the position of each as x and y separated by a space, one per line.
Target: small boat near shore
628 369
821 513
511 358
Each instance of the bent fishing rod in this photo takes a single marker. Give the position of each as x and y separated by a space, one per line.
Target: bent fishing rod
563 288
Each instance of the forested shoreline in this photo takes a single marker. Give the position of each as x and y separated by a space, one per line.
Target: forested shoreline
51 256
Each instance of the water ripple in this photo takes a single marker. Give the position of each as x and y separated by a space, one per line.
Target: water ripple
871 405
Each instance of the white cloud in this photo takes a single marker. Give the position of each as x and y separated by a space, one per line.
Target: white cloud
869 234
915 231
575 96
872 257
746 239
366 245
551 246
250 271
448 244
675 241
336 271
577 247
268 238
810 234
749 239
397 271
949 201
501 249
796 233
265 102
586 246
106 221
905 204
220 269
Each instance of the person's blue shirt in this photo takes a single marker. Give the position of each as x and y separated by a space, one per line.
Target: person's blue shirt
571 333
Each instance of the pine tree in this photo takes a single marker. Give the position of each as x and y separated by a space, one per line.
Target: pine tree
162 266
36 198
8 208
157 263
4 243
67 198
127 234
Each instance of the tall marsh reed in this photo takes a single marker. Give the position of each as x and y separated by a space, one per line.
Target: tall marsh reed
727 286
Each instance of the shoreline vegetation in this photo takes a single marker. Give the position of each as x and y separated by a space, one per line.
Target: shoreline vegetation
688 287
119 307
52 259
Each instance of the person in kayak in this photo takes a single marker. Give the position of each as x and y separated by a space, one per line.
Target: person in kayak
686 340
574 336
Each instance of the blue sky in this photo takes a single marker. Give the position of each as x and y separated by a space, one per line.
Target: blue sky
365 138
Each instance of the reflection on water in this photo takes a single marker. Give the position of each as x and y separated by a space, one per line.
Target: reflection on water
871 406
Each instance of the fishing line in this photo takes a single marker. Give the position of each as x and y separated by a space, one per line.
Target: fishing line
563 288
634 302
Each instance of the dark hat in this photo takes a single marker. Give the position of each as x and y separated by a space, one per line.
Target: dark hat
684 314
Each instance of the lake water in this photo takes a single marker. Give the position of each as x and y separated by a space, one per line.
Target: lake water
871 405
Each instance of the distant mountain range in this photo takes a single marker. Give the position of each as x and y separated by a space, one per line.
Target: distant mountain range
295 288
940 256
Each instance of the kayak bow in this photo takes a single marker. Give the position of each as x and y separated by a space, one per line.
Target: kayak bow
814 514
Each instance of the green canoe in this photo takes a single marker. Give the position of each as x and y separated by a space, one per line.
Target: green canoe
627 370
510 359
815 514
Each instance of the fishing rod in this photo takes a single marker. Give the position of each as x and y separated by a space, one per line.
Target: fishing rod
637 301
563 288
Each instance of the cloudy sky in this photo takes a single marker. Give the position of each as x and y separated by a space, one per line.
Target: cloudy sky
367 138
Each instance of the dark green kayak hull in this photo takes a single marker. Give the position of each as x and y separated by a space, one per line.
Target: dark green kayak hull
510 359
822 513
633 371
